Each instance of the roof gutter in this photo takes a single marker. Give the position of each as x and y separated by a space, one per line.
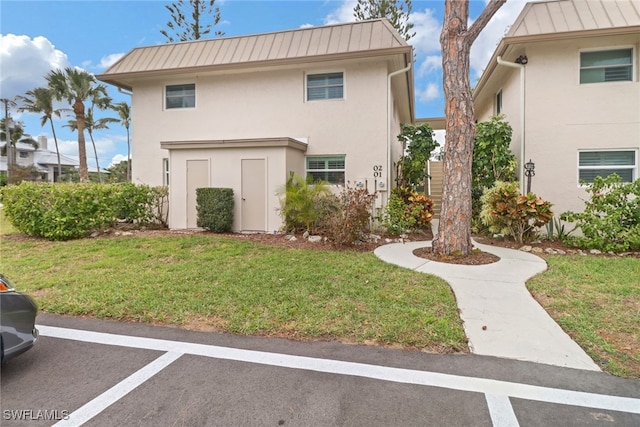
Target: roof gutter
389 114
522 121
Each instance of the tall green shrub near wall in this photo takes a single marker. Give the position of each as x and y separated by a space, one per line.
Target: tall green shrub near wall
610 220
215 209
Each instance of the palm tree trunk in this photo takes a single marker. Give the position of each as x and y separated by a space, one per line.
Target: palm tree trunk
128 157
78 109
55 140
95 151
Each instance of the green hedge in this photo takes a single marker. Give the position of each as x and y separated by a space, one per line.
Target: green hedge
215 209
64 211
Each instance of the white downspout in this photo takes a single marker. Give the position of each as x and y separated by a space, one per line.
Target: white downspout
522 144
389 116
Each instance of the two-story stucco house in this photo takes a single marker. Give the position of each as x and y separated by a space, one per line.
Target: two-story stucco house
566 78
244 112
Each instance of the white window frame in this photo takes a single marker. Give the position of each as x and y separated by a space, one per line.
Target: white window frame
166 96
326 158
606 49
498 99
320 73
633 168
165 172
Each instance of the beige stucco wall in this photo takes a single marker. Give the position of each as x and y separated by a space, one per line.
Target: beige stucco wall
263 104
563 116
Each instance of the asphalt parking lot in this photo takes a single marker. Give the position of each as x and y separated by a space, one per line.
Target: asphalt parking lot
101 373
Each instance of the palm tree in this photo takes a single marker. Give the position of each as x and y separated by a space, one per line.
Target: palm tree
90 124
40 100
77 86
124 112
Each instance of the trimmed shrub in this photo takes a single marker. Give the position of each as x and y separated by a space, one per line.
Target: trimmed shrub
133 203
215 209
505 210
611 217
58 211
64 211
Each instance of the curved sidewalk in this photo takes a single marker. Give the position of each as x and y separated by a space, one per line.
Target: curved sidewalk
500 316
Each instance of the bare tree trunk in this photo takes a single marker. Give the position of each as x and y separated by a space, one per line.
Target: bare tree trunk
454 230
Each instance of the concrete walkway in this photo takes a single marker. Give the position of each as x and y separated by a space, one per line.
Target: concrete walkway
500 316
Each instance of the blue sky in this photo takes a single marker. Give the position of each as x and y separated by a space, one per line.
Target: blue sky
37 36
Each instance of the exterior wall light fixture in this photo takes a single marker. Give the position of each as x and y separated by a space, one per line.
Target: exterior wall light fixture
529 171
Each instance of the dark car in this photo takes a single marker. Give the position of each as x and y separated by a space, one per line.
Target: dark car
18 312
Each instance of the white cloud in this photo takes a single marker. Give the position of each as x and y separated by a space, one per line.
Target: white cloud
343 13
117 159
24 63
429 93
431 63
109 60
427 28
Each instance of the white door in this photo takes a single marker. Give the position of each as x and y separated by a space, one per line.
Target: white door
253 197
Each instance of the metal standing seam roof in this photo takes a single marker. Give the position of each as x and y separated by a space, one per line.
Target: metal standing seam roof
560 16
564 19
314 43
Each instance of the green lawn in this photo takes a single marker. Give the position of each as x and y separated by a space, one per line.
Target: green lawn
220 283
210 282
596 300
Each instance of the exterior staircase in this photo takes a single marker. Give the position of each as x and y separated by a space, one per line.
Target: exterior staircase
434 188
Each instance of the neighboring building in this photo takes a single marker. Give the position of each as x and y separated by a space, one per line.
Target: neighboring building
45 161
566 78
244 112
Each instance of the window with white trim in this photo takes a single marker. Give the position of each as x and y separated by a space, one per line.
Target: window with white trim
604 163
606 66
325 86
165 172
180 96
330 169
499 102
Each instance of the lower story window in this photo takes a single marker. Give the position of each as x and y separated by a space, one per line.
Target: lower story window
604 163
165 172
329 169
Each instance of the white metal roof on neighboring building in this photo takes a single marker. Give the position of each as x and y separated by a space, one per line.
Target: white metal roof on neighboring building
558 16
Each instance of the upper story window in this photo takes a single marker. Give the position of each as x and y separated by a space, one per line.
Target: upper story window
325 86
24 155
181 96
604 163
329 169
606 66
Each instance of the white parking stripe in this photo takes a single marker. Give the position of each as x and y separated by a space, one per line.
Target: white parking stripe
118 391
501 411
409 376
